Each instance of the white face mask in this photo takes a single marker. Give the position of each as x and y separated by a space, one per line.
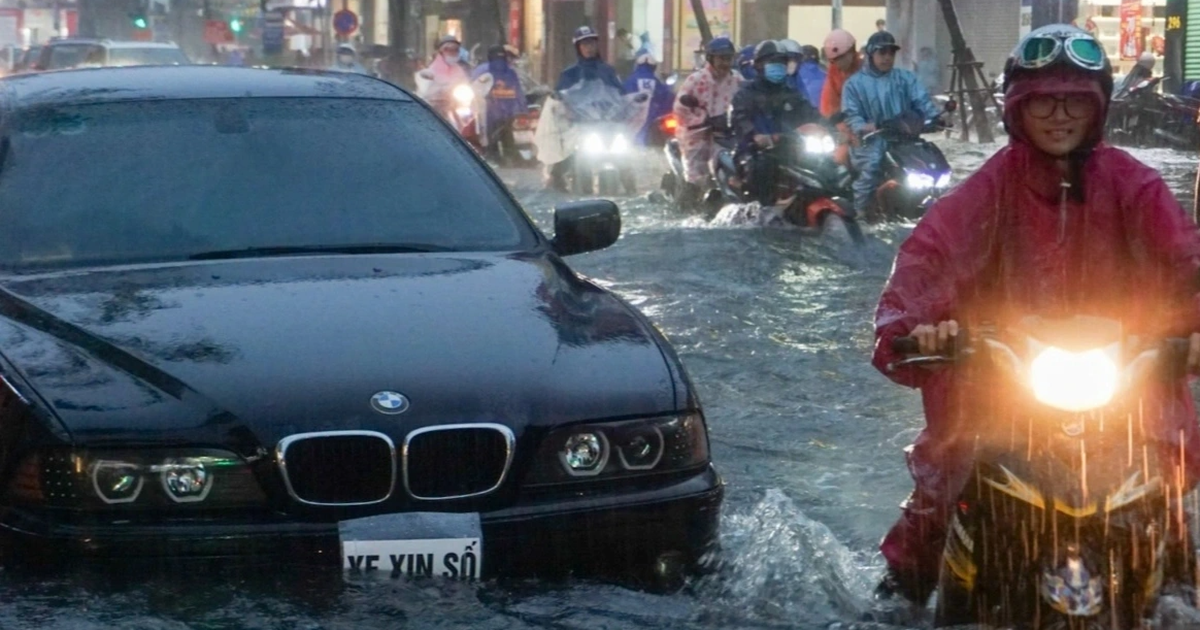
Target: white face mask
450 57
345 60
792 66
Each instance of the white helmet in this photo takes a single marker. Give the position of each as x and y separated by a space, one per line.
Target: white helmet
1147 60
790 47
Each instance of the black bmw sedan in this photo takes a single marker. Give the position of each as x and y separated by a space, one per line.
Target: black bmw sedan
252 312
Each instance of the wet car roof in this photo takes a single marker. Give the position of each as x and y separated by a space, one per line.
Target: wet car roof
107 85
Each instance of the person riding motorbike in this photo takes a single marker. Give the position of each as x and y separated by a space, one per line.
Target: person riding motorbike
764 112
841 50
347 60
1056 224
877 94
644 79
1142 70
714 87
811 74
745 63
589 64
444 74
505 101
791 48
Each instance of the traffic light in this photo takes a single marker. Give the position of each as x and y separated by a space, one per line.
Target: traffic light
235 25
139 21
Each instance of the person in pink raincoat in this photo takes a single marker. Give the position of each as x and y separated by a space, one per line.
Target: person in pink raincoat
444 73
714 86
1056 224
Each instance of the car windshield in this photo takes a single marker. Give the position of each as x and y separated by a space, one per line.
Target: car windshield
161 180
146 56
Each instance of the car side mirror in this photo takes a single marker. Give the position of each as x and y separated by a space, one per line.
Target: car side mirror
688 100
951 106
585 226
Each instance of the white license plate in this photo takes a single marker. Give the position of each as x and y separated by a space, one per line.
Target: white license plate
523 137
427 544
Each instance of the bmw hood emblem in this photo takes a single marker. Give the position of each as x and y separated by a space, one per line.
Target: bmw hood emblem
390 403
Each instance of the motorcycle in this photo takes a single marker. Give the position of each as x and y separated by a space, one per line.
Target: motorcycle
809 176
1039 538
684 196
593 124
915 171
1142 117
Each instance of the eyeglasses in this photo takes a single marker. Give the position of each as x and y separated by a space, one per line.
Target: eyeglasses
1075 105
1082 50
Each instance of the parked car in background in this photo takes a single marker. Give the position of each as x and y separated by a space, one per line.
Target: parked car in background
61 54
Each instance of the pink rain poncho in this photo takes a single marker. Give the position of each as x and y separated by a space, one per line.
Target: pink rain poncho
715 98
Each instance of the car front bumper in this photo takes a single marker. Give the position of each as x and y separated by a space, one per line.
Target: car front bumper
601 533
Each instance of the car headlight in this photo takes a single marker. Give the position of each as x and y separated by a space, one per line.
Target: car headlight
611 449
619 144
1074 381
592 143
944 180
819 144
919 181
463 95
136 479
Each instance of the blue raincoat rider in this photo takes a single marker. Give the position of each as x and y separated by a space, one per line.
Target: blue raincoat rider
811 74
745 63
643 79
589 65
505 101
876 94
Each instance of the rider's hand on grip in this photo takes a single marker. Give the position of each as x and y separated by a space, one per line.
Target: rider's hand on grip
929 340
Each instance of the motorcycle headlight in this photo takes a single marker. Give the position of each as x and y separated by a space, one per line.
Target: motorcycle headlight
592 143
613 449
944 180
463 95
619 144
1074 381
919 181
136 479
819 144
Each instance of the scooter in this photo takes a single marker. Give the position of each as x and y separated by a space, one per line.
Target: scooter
1142 117
686 197
1071 517
817 186
915 171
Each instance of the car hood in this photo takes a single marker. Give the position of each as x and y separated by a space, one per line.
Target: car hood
249 351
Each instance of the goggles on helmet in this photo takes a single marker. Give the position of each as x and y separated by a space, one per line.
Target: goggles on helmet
1040 51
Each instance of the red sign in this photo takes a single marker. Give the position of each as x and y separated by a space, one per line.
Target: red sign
143 35
1131 27
217 32
514 22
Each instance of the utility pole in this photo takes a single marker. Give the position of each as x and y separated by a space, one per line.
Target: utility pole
967 78
837 13
702 22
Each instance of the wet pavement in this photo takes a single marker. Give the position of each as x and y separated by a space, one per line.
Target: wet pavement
775 330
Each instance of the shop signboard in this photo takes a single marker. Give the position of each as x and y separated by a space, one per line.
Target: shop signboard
1131 29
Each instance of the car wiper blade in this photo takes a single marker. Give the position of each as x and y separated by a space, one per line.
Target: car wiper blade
291 250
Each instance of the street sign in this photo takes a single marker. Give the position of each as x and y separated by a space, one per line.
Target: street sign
217 32
272 33
345 22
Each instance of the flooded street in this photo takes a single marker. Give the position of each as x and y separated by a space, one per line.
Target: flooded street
775 330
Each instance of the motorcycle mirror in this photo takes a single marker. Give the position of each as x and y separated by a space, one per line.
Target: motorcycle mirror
951 106
837 118
687 100
673 79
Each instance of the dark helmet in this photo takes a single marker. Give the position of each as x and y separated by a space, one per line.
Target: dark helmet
583 33
767 50
720 46
1058 46
880 41
448 39
497 52
809 52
